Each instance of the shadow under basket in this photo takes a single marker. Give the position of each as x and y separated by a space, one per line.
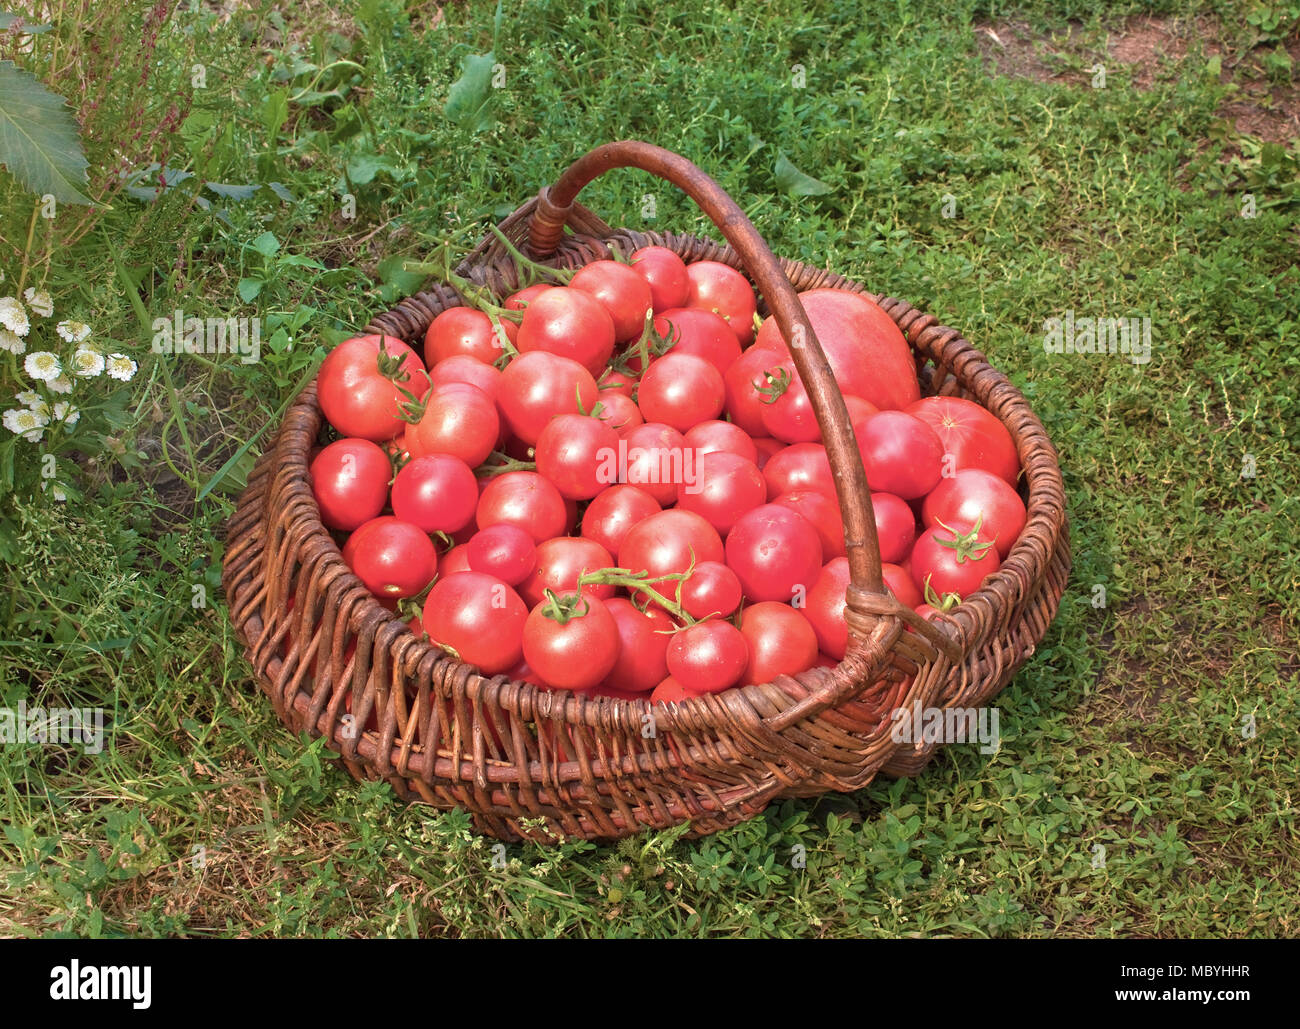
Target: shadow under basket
529 763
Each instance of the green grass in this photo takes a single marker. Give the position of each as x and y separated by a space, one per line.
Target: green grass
1124 738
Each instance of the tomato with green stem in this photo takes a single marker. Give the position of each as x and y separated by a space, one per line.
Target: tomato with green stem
951 561
478 618
365 383
571 641
708 657
535 387
719 288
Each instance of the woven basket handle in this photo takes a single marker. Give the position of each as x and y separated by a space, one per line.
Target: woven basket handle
554 206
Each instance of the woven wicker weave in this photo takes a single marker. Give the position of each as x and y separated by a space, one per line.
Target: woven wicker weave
530 763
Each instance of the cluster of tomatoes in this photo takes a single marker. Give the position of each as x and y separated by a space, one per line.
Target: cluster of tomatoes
616 485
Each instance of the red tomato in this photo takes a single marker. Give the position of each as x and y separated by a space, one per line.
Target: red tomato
742 380
625 296
775 553
901 454
559 563
866 350
700 334
711 590
724 487
465 331
612 381
523 673
976 497
536 387
578 454
455 560
393 558
708 657
858 408
520 301
479 617
643 655
781 641
681 390
665 273
895 526
822 511
571 324
898 580
721 289
503 550
349 479
619 411
670 691
656 460
951 563
465 369
613 512
788 412
801 466
571 649
525 499
971 435
708 437
825 608
767 449
460 420
668 542
437 493
360 383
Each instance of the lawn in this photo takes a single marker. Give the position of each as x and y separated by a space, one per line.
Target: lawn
996 165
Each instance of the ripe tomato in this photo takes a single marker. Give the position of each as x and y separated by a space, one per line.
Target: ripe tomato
971 435
455 560
801 466
465 369
708 657
711 590
681 390
559 563
519 301
781 641
775 553
460 420
788 415
570 324
360 383
822 511
393 558
901 454
536 387
768 448
721 289
503 550
578 454
479 617
701 334
437 493
866 350
976 497
625 295
665 273
725 486
895 526
825 608
707 437
952 563
670 691
668 542
657 460
349 479
613 512
465 331
572 642
643 655
525 499
898 580
619 411
742 380
858 408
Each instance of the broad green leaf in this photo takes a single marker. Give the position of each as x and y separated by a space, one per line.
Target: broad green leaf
467 100
39 142
363 168
232 192
791 180
266 244
393 272
249 289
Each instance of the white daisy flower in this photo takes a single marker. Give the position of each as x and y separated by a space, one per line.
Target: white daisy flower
60 385
73 332
13 317
11 342
87 362
39 301
66 413
121 367
27 423
43 365
29 398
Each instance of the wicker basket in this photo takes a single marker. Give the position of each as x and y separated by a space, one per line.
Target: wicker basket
531 763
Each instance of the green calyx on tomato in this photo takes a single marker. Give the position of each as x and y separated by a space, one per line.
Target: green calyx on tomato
563 610
778 381
942 604
641 586
967 546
